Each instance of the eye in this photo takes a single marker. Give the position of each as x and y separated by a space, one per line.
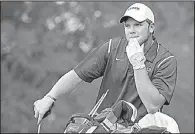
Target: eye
138 24
127 25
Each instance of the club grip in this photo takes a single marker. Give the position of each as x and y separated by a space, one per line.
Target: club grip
48 112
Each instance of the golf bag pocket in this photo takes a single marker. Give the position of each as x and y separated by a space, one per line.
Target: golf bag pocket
86 124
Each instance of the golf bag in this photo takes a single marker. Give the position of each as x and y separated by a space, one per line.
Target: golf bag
105 122
119 119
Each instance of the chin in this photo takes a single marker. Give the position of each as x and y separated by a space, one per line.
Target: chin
141 41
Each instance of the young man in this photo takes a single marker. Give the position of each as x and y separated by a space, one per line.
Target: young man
136 68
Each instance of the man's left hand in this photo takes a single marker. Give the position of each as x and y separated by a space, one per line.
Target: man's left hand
135 54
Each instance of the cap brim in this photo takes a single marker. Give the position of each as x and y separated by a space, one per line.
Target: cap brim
124 18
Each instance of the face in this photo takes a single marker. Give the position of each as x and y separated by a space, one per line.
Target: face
138 30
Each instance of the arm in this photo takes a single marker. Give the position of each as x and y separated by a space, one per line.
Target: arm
158 91
148 93
66 84
89 69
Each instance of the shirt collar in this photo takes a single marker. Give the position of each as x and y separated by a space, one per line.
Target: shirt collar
150 48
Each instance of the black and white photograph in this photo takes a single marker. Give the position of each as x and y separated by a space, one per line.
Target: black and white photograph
97 67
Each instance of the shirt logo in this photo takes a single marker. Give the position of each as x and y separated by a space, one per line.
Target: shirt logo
148 69
136 8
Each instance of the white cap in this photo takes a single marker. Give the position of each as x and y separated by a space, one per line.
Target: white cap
139 12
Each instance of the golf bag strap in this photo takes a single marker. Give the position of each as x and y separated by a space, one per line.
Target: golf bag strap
81 115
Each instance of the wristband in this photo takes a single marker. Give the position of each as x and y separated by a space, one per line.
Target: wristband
51 97
139 67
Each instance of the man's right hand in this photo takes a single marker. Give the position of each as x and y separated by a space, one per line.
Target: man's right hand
42 107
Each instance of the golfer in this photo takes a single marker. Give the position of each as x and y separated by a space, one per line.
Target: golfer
135 68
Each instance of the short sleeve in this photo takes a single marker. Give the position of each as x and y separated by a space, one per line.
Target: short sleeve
93 66
165 77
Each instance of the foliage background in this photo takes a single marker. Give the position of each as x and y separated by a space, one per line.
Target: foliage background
40 41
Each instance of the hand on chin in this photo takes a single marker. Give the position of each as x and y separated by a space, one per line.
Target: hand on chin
139 39
133 47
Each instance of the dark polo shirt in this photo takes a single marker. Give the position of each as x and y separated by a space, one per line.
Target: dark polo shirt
111 62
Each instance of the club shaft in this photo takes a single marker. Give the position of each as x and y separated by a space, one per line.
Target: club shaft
39 128
97 104
94 110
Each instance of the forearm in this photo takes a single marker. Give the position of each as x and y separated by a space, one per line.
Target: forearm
148 93
65 84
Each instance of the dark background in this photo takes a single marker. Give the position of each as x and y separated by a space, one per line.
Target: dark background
40 41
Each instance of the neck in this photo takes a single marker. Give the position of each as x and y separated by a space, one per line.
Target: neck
149 39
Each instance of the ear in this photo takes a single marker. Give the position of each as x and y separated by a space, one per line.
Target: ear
151 28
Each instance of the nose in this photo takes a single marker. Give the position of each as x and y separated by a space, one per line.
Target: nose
131 30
